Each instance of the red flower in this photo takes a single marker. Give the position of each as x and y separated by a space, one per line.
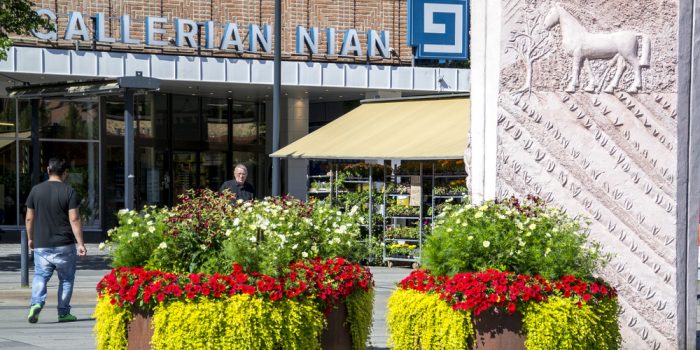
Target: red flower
511 308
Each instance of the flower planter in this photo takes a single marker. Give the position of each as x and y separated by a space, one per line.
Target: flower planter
335 337
502 331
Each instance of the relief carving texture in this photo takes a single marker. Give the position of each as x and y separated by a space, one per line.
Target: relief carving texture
587 121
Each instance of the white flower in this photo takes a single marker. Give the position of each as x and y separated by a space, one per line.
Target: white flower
203 247
470 238
134 234
101 246
478 214
521 243
486 244
236 221
297 233
228 233
304 255
547 251
253 239
151 229
295 246
162 245
532 226
353 210
129 221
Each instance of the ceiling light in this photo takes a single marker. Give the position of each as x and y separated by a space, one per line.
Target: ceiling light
189 87
229 91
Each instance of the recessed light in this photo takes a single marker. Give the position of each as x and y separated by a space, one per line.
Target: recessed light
320 98
211 93
340 96
267 95
189 87
229 91
326 90
306 92
194 95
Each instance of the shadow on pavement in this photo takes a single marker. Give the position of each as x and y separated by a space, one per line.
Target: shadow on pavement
12 262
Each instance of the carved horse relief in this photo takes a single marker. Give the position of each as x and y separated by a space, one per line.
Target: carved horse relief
584 46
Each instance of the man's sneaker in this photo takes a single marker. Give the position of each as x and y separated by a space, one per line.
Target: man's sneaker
34 311
67 318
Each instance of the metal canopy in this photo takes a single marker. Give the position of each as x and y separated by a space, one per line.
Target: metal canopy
84 88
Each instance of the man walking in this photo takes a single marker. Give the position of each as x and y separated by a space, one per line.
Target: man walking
53 229
239 186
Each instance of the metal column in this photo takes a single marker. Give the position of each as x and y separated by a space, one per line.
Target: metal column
129 149
276 95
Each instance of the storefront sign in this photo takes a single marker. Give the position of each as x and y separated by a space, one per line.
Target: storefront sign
186 32
438 28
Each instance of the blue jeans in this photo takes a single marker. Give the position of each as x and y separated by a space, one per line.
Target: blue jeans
46 260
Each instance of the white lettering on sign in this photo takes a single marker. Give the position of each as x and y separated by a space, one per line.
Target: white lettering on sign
187 34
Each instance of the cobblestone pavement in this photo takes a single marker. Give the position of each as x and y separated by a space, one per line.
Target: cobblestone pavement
16 333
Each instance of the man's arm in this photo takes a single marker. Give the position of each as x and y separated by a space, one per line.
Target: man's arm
74 217
29 223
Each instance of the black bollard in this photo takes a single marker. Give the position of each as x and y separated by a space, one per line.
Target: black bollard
24 260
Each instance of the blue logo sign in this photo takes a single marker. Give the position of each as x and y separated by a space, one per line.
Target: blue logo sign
438 28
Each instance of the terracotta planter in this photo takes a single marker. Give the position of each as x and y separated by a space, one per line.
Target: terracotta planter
501 331
140 332
335 337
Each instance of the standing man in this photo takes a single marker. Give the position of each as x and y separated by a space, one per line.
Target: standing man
53 229
242 189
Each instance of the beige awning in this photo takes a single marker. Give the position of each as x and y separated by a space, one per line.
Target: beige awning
411 129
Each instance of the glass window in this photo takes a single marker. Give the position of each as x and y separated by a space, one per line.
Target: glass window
83 174
8 182
245 123
186 118
215 112
114 116
151 112
8 117
212 171
71 119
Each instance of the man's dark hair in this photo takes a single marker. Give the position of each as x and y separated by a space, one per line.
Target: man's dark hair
57 166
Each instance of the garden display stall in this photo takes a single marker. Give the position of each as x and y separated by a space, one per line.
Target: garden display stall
213 272
506 275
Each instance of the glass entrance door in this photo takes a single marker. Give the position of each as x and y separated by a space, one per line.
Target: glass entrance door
184 173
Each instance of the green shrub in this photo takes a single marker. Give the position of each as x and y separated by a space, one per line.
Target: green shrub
424 321
110 328
523 237
359 319
242 322
560 323
138 234
195 234
265 236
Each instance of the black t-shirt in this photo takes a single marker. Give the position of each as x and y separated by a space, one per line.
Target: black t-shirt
245 192
51 201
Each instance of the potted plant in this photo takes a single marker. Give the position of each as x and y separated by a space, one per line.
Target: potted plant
213 272
511 274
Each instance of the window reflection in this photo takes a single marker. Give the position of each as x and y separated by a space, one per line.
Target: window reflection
8 185
8 117
245 123
70 119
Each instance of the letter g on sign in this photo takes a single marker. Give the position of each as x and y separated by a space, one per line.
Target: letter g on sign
431 27
438 28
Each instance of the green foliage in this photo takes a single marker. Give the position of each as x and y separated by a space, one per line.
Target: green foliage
195 234
359 319
137 236
17 16
110 325
401 249
423 321
241 322
526 238
265 236
401 232
559 323
207 233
